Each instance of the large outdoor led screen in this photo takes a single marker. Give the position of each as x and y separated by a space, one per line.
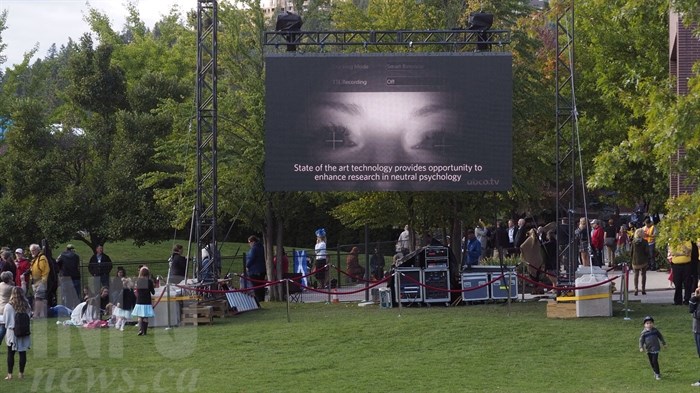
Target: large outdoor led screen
421 122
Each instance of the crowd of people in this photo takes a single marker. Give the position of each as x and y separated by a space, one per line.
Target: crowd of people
28 287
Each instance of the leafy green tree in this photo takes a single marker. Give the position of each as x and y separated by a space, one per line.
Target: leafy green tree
103 136
622 60
3 46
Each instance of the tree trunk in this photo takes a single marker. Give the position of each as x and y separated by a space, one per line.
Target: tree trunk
269 229
411 222
278 290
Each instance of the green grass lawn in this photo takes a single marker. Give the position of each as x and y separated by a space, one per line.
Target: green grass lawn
346 348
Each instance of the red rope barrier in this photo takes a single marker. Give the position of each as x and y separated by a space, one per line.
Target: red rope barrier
373 285
362 279
161 296
567 288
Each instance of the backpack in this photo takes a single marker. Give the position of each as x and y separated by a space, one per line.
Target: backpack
22 322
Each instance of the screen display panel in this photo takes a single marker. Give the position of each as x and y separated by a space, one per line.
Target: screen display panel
408 122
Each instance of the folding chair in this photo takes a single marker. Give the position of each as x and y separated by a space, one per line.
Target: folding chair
295 290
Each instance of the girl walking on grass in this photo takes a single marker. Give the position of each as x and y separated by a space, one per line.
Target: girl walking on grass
144 309
18 304
650 340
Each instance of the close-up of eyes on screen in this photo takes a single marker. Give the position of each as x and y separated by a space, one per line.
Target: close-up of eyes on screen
382 126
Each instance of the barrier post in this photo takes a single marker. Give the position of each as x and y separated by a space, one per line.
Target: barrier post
286 282
625 277
328 279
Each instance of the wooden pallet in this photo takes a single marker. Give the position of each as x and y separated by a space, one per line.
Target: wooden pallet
561 309
197 315
220 308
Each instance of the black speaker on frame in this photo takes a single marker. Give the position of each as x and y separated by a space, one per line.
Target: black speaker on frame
287 21
481 21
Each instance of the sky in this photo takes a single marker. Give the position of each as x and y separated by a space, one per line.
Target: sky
53 21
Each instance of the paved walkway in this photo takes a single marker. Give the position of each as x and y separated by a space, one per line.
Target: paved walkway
658 290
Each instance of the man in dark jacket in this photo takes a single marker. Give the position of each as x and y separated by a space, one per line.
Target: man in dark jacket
69 276
255 266
178 265
100 266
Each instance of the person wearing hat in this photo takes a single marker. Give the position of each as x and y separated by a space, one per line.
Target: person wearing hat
23 266
650 340
69 276
321 255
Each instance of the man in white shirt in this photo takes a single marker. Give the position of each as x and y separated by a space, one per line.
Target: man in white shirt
404 241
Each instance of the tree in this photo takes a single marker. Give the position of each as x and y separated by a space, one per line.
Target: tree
3 27
624 65
101 142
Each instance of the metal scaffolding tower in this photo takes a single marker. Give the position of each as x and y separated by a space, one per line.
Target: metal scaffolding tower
207 106
567 146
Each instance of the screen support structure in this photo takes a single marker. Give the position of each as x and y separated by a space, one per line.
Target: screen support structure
570 184
448 40
207 108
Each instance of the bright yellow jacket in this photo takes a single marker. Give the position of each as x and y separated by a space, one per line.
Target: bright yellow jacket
650 233
680 254
40 269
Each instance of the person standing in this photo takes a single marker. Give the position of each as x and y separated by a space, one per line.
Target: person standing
695 313
472 250
100 266
622 240
376 264
178 265
610 243
321 254
69 270
640 260
8 262
681 270
650 340
583 236
521 234
6 285
23 270
144 307
255 267
402 245
17 304
482 235
650 233
597 243
125 302
501 240
511 237
40 276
